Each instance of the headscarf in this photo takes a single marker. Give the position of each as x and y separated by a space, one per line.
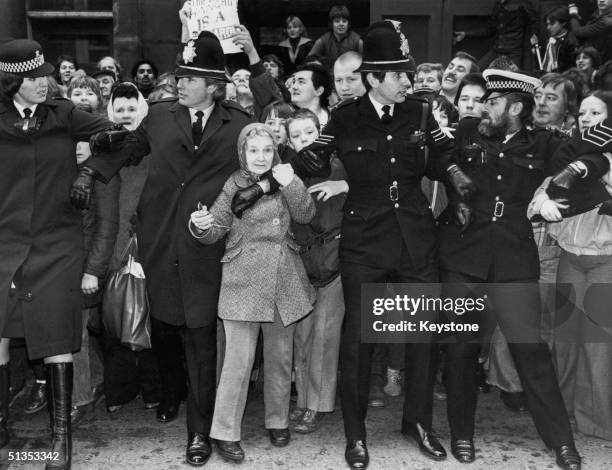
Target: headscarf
250 130
142 107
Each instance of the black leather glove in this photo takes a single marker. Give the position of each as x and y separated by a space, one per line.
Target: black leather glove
245 198
109 140
314 160
463 215
82 188
562 182
461 182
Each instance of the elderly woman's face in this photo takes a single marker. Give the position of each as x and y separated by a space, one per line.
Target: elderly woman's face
126 112
32 91
66 71
106 83
259 153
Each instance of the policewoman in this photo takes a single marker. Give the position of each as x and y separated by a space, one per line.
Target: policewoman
41 244
388 232
493 242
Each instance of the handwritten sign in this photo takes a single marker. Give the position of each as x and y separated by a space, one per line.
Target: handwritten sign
218 16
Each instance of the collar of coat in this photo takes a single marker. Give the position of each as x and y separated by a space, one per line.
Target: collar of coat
286 43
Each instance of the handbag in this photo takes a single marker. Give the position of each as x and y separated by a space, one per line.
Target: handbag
125 305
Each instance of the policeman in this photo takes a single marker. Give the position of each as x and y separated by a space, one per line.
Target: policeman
388 231
493 242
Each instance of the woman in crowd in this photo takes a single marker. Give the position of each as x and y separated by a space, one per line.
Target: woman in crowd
588 61
128 373
583 357
294 49
42 242
264 286
65 69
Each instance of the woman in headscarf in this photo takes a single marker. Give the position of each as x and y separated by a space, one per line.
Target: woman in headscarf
264 286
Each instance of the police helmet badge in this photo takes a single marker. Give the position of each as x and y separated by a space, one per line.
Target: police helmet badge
189 52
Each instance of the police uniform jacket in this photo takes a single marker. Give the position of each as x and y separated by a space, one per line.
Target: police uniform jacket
40 231
183 276
506 175
385 164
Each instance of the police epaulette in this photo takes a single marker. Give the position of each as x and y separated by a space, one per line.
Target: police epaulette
553 130
163 100
420 99
344 103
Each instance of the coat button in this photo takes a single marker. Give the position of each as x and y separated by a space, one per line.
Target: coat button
494 219
392 159
29 296
389 137
352 212
182 184
359 149
499 177
395 183
497 198
531 167
275 221
501 154
469 159
396 205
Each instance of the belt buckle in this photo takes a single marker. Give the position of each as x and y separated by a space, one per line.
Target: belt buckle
394 193
499 209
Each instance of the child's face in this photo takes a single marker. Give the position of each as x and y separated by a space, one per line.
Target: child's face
440 115
126 112
84 98
302 133
553 27
340 26
259 153
278 127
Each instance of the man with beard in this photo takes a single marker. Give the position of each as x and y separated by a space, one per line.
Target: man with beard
144 74
462 64
507 163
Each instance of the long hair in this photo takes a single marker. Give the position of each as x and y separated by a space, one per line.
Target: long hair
9 85
58 62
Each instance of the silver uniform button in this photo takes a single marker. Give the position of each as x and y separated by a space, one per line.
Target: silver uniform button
392 159
501 155
395 183
497 198
499 177
396 205
531 167
494 219
359 149
389 137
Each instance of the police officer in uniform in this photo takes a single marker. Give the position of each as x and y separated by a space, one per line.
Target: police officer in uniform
493 242
388 231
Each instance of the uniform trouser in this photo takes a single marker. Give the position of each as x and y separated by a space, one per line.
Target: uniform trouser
517 311
316 349
355 356
168 349
241 342
201 364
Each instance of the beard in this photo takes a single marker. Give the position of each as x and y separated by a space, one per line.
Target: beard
487 128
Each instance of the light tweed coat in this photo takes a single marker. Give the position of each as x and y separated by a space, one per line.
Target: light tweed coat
262 268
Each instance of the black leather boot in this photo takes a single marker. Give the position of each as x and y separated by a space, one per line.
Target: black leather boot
4 405
59 384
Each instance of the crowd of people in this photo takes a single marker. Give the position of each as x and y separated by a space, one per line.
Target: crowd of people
264 198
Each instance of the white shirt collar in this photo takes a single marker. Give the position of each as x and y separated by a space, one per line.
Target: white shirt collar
20 108
378 106
207 112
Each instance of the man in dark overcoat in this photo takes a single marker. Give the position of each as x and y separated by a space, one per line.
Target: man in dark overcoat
388 230
507 162
192 147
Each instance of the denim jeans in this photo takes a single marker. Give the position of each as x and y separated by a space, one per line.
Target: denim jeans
88 366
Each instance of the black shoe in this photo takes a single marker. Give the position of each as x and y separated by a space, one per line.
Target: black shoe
481 379
428 443
4 405
356 454
230 450
79 413
377 398
37 398
463 450
198 448
279 437
514 401
59 384
168 410
568 458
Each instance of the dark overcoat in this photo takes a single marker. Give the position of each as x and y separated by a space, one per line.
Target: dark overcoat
40 231
183 276
385 165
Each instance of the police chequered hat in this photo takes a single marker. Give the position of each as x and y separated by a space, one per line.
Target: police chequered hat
505 81
24 57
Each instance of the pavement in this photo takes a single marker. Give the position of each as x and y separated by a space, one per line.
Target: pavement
132 439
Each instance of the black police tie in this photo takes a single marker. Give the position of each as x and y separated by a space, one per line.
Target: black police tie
27 112
386 118
197 128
